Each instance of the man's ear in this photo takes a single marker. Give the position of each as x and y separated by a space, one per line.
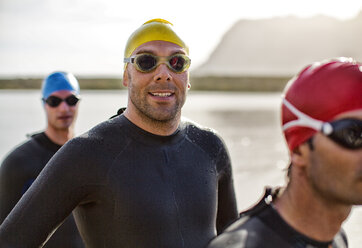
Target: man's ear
300 155
125 78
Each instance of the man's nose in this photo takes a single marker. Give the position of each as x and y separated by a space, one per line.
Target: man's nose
162 74
63 106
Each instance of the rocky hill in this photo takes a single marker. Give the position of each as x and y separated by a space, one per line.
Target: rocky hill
279 47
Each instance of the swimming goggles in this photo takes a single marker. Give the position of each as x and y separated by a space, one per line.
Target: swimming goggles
145 62
54 101
345 132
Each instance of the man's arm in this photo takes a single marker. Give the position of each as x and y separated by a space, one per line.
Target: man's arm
13 181
55 193
227 207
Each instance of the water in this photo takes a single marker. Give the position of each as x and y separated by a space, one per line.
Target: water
248 122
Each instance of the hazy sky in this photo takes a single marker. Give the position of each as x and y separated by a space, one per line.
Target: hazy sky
87 37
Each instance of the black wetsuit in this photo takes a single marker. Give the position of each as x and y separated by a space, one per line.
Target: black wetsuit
130 189
18 171
263 227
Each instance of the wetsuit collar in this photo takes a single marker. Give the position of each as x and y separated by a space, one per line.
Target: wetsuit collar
145 137
44 141
270 216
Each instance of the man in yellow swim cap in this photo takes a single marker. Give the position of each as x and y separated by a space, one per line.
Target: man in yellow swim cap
145 178
156 74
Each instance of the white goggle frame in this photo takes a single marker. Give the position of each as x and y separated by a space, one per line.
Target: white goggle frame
305 120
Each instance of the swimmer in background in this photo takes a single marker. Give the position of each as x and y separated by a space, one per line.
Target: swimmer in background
19 169
322 123
145 178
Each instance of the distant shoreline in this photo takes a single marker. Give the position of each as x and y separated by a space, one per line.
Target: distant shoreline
200 83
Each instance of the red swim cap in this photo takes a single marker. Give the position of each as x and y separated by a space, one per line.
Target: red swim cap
318 94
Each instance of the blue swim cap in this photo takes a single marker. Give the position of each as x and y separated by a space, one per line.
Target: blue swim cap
59 81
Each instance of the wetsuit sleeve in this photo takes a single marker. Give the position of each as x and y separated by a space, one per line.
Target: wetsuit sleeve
58 189
227 208
12 182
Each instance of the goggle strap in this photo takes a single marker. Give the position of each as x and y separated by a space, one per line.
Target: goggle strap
303 119
127 60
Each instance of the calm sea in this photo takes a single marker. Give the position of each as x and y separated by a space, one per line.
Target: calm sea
248 122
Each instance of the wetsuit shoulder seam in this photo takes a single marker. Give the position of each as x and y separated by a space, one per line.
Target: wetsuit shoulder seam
207 132
115 158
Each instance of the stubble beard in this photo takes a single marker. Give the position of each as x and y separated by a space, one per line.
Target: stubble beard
161 113
62 126
327 190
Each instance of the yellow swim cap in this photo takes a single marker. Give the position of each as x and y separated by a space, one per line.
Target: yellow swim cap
155 29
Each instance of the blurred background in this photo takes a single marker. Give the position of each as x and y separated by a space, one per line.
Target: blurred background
243 39
243 53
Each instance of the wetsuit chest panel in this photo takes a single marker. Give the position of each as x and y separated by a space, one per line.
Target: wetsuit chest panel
154 191
168 190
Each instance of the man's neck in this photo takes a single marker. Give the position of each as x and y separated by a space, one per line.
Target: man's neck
309 214
59 137
163 128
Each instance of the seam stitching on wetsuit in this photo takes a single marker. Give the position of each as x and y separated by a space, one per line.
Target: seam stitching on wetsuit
213 135
217 160
115 159
200 148
174 199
